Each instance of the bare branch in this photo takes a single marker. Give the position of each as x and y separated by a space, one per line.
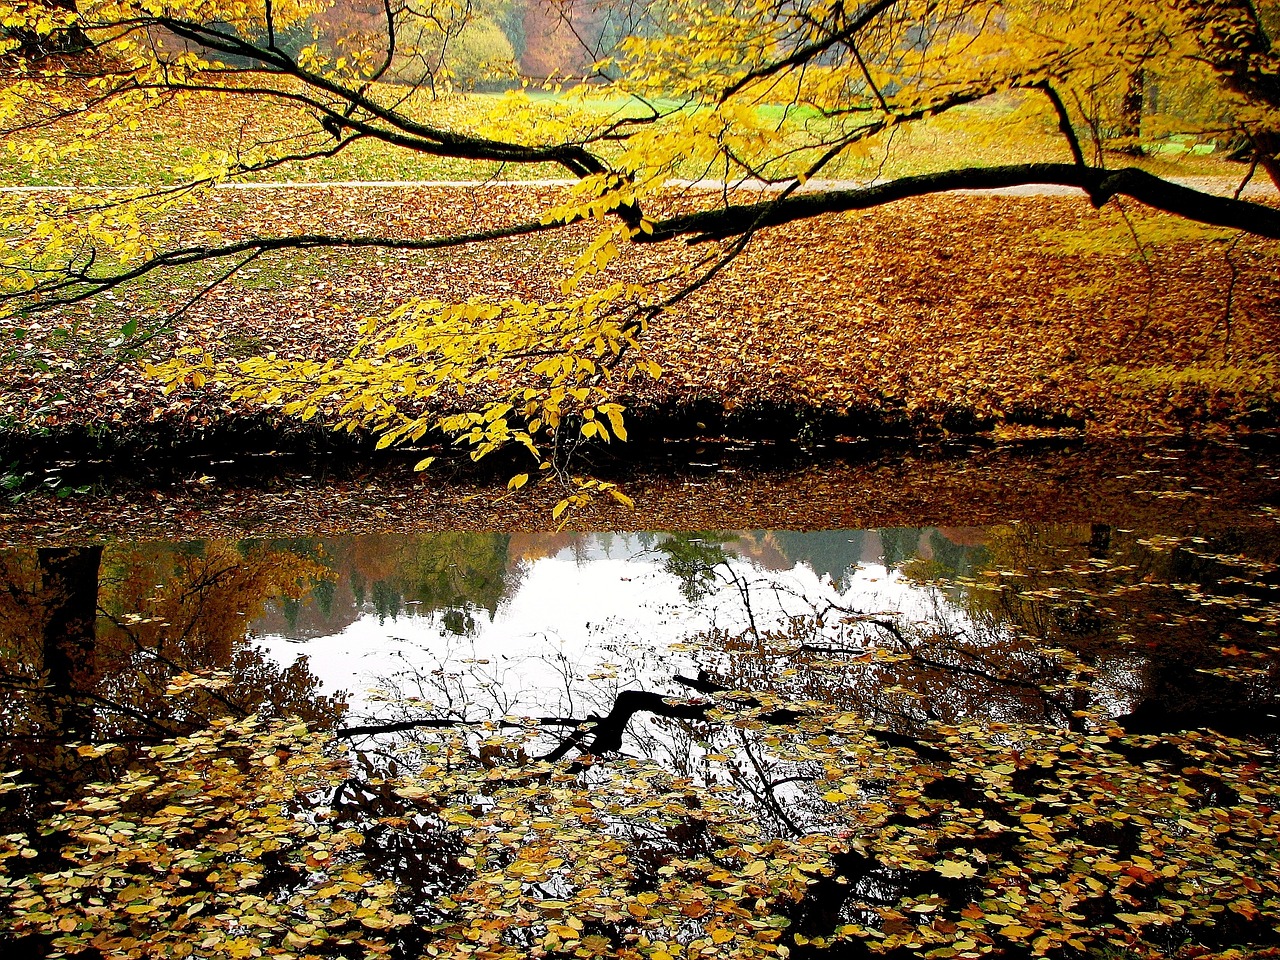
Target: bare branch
77 286
1100 184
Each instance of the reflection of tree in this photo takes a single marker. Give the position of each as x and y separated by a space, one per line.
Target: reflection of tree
864 781
829 552
455 569
528 547
838 781
456 573
1166 622
1071 620
68 578
48 655
1057 633
693 559
324 594
834 780
386 600
93 640
191 607
1075 622
899 544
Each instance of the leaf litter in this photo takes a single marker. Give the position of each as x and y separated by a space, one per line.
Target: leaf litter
1015 315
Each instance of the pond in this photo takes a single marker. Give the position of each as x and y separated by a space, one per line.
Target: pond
1010 739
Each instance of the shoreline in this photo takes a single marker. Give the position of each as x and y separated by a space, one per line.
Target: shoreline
1181 485
159 447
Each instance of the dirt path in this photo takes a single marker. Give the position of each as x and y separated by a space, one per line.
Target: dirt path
1219 186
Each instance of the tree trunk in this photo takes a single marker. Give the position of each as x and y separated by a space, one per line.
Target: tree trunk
69 588
1237 45
1266 148
1131 114
1099 541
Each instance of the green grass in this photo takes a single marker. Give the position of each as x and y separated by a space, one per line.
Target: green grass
998 130
1255 375
1119 240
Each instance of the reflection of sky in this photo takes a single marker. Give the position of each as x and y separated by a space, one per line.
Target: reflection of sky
607 607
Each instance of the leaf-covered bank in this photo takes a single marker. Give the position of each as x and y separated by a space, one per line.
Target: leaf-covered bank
1009 315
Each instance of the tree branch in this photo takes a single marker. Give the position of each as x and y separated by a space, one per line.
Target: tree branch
1100 184
72 286
421 137
1064 123
810 52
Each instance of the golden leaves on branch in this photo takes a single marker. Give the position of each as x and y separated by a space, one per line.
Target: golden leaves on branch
533 370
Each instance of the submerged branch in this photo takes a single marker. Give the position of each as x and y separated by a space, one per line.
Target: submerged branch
446 723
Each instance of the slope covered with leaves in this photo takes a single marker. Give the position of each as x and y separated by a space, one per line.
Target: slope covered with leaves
960 312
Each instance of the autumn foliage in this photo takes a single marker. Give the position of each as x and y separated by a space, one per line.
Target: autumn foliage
759 94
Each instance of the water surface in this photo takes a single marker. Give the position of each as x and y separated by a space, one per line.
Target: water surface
890 701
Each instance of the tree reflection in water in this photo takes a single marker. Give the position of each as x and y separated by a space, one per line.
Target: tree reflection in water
134 645
1068 752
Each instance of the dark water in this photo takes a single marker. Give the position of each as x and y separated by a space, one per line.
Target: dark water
613 645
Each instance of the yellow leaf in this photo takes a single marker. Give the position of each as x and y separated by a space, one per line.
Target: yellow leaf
956 868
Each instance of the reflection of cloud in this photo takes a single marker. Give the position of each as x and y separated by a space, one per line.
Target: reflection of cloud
588 606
